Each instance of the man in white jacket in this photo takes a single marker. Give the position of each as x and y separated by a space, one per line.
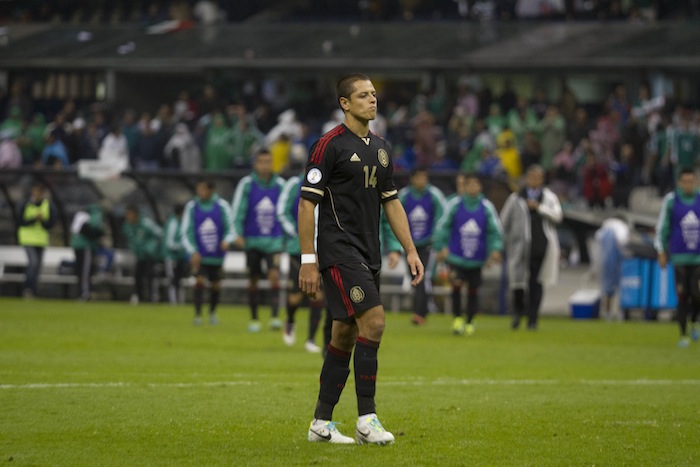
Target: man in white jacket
529 219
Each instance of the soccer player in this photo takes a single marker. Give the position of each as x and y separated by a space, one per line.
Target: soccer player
257 231
349 175
469 236
287 211
678 242
143 238
424 205
175 255
206 235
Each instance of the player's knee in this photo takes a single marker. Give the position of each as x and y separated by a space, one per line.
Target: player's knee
295 299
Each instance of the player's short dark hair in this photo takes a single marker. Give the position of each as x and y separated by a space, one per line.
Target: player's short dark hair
346 84
262 152
470 175
206 181
132 208
417 170
686 171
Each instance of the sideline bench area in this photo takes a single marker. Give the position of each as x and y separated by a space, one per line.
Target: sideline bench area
57 271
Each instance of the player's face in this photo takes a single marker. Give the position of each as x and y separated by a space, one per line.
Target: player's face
132 217
473 186
263 165
203 191
362 103
419 180
687 183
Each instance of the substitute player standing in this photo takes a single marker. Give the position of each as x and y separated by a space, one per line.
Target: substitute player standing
349 174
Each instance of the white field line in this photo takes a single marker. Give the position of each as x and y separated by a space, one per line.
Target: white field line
387 382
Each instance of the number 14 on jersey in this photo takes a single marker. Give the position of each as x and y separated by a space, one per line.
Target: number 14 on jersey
370 176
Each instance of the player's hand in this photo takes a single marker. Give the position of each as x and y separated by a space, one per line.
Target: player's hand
416 267
195 261
239 242
309 279
394 258
495 258
532 204
442 254
662 259
224 245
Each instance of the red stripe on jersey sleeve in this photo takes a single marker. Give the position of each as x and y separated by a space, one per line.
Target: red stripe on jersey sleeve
317 156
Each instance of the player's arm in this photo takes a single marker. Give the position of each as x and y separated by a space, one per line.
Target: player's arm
239 204
396 215
663 229
227 224
309 277
494 234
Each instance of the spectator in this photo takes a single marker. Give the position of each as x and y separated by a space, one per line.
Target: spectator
490 165
54 154
246 140
508 155
281 150
37 216
181 151
623 176
563 175
529 219
79 147
184 109
114 150
218 154
427 137
10 154
143 238
685 144
531 150
149 150
130 130
495 121
552 135
597 187
521 119
13 123
580 128
31 141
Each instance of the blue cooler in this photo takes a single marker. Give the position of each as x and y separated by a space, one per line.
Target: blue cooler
585 304
635 283
663 287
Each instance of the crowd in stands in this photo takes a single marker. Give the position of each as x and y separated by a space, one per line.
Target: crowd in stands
596 153
150 12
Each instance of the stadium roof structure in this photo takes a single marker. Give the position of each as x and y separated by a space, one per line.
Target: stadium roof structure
367 46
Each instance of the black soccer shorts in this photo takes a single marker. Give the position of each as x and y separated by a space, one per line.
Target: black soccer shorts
350 289
472 276
213 273
259 263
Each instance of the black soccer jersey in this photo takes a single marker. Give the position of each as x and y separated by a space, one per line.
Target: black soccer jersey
349 177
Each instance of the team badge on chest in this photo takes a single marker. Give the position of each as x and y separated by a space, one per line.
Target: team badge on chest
383 157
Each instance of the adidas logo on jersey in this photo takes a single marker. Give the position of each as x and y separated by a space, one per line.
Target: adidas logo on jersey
418 214
690 220
355 158
470 228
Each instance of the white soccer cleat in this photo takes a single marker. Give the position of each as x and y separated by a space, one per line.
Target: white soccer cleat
311 347
289 336
275 324
369 430
324 431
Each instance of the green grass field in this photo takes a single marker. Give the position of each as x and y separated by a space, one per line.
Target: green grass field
111 384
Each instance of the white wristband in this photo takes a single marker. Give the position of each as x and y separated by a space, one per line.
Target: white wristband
308 259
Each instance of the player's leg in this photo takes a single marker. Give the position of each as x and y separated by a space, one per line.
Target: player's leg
215 273
518 306
198 295
682 276
420 303
694 303
535 291
474 282
458 323
273 276
315 310
294 299
169 265
253 263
